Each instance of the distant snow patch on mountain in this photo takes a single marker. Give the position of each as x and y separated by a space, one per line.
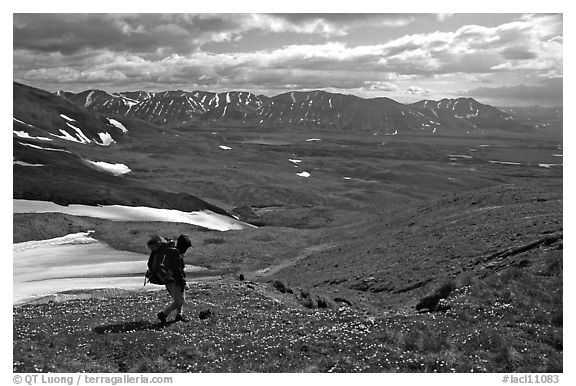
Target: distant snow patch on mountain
118 125
114 169
89 99
303 174
548 166
65 135
22 122
505 163
23 134
22 163
106 139
313 139
67 118
83 138
225 147
295 161
41 148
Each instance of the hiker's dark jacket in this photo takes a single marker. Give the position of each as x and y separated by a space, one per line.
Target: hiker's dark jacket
174 261
178 270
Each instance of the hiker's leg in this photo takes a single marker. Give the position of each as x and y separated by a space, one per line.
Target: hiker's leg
174 292
181 299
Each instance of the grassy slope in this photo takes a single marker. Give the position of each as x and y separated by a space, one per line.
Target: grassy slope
491 326
402 255
505 315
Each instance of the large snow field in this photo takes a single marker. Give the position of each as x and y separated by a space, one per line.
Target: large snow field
75 262
204 218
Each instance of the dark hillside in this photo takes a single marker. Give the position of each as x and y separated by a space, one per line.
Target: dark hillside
405 254
41 112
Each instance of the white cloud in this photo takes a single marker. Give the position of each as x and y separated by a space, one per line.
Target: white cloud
530 47
415 90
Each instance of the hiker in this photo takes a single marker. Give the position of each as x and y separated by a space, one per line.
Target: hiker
176 281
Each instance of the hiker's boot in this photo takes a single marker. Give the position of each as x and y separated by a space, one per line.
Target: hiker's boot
162 317
180 318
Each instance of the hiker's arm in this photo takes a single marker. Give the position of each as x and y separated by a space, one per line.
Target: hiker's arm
150 260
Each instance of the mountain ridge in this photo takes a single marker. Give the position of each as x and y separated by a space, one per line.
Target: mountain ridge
306 109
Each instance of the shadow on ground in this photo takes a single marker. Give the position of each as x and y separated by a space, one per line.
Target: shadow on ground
130 326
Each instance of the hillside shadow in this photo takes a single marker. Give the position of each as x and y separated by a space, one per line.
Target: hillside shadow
130 326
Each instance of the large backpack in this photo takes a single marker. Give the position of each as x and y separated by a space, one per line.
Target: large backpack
164 264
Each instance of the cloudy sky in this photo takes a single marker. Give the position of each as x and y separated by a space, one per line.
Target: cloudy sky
501 59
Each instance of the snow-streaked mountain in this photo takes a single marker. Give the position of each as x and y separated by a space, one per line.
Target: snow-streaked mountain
170 107
463 108
61 152
312 109
468 114
41 114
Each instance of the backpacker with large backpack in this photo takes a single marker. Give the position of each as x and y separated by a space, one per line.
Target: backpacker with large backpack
163 262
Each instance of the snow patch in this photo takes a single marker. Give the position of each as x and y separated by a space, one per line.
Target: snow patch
459 156
114 169
119 125
303 174
23 134
295 161
293 97
67 118
83 138
106 139
505 163
313 139
22 122
89 99
65 135
73 262
22 163
225 147
42 148
358 180
203 218
548 166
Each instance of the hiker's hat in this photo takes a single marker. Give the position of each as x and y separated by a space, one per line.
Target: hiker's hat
183 242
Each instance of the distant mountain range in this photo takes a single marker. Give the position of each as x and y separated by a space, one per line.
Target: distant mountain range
311 109
98 148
